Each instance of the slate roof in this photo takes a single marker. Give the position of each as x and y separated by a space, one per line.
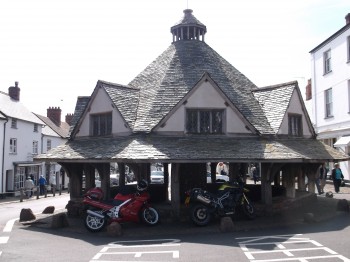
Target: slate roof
52 129
188 19
80 106
152 148
158 89
15 109
274 101
176 71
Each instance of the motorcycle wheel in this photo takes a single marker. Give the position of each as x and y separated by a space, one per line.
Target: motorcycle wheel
248 210
149 216
200 215
93 223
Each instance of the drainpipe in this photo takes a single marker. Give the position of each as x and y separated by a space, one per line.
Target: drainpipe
3 156
314 95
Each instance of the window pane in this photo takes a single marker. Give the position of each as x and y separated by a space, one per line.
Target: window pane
204 122
192 121
217 122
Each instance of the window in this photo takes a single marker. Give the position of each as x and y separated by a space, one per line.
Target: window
13 146
35 147
48 144
328 103
101 124
35 127
327 62
14 123
295 127
204 121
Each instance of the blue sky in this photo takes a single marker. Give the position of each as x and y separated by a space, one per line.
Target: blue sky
57 50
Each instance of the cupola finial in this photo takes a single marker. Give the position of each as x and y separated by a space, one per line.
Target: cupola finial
188 28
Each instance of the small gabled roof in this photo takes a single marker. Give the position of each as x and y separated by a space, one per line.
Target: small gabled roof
62 130
15 109
176 71
124 98
275 100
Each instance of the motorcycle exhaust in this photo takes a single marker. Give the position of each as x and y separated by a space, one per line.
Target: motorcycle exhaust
203 199
90 212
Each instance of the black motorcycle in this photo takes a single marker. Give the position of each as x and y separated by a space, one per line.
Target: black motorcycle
230 197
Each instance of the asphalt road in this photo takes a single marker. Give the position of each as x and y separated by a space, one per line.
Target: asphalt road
326 242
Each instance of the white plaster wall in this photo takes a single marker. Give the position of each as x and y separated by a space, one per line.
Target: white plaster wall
205 96
337 80
294 108
103 104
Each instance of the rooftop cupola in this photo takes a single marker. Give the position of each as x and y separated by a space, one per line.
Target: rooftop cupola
188 28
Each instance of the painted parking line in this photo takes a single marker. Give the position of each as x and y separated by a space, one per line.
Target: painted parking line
140 248
277 246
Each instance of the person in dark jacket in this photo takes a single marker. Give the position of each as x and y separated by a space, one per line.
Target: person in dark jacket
337 177
42 184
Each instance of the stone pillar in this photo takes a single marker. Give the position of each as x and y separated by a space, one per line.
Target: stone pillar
104 171
289 174
175 190
166 180
266 188
89 172
121 167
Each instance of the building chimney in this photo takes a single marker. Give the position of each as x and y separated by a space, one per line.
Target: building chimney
347 18
308 93
69 118
54 113
14 91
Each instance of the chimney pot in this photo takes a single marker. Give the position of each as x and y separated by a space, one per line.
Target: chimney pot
347 18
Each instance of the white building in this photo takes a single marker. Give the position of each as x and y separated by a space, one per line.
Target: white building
330 88
20 140
54 133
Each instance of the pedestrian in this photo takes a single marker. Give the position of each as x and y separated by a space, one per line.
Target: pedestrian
337 176
53 182
323 176
318 183
42 184
28 185
254 173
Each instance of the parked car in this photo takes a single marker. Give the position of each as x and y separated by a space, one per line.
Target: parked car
157 177
219 178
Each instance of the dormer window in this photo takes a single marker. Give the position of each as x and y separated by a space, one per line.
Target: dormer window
101 124
204 121
295 127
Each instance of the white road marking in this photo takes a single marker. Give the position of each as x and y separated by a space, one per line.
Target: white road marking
3 240
113 248
291 254
9 225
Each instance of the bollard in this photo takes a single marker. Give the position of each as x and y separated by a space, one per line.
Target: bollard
60 188
53 190
45 191
37 192
21 195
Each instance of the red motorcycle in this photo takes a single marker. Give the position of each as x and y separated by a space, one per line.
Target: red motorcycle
125 207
